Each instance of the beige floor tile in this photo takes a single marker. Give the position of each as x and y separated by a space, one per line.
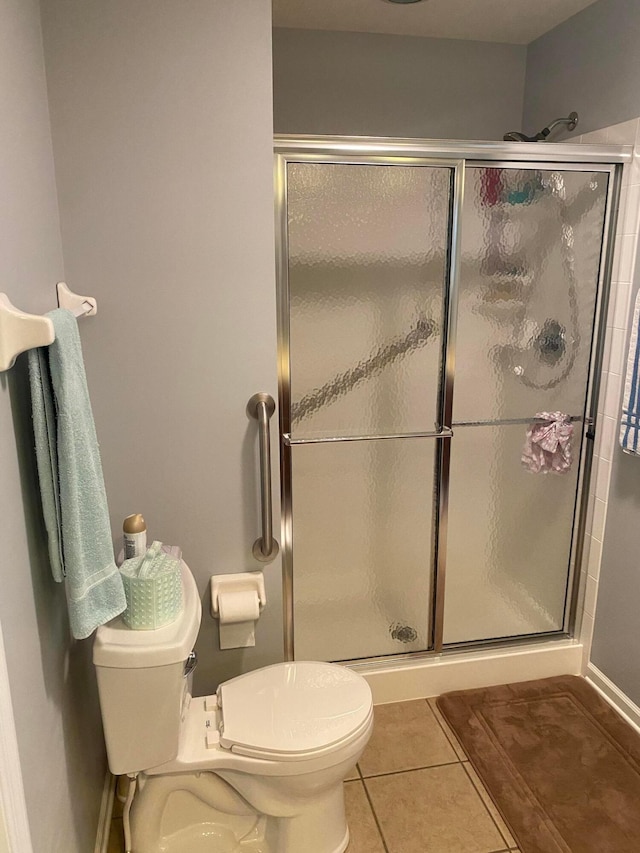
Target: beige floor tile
436 809
462 755
116 839
353 774
406 735
486 799
364 834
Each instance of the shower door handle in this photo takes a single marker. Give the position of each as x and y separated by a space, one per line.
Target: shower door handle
261 407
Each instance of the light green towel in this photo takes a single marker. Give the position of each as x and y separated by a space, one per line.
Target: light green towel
74 501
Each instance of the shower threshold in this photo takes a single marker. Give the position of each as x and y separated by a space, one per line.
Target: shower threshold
420 676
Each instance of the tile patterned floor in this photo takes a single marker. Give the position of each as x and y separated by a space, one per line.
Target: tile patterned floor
413 793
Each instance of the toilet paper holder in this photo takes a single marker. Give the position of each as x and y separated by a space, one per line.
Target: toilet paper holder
237 601
239 582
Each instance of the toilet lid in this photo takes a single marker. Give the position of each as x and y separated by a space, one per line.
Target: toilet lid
290 709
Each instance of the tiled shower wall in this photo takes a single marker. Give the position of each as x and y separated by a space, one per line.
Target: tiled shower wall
613 369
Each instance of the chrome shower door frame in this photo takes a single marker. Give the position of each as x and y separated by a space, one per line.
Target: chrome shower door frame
455 156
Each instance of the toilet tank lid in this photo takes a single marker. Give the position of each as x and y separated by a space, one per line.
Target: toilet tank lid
116 645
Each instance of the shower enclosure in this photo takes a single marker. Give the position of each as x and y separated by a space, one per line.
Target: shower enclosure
436 301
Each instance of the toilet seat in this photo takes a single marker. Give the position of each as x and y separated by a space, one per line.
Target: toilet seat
293 711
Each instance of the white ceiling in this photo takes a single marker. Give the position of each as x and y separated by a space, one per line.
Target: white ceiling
511 21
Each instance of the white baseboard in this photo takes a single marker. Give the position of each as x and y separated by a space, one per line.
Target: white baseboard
106 811
614 696
401 681
12 798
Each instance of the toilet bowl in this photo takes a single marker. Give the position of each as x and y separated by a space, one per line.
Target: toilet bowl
256 768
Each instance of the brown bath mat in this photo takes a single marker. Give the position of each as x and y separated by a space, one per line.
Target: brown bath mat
560 764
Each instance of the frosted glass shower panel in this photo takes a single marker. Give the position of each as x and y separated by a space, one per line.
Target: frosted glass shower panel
362 547
368 261
531 242
509 538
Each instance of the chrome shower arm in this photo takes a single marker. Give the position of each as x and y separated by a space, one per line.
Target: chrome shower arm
571 122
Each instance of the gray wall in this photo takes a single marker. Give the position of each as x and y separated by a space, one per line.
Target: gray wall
367 84
616 638
161 114
51 677
589 64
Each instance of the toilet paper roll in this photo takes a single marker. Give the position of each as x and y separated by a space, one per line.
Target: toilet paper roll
235 607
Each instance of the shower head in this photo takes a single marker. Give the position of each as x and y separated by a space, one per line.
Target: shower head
570 121
516 136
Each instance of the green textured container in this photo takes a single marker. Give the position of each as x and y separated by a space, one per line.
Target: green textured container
152 601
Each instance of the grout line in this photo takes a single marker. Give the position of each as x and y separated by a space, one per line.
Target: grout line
375 816
444 731
470 778
433 714
411 769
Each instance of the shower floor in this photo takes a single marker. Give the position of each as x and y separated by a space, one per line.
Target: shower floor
352 628
355 627
483 611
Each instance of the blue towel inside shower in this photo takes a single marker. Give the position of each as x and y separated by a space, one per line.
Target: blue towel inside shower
74 500
630 421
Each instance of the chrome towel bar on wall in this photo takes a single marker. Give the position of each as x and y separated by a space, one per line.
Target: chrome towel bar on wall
261 407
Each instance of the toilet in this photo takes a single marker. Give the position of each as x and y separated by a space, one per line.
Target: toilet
257 767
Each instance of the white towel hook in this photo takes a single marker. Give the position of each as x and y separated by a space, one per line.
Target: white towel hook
20 331
81 306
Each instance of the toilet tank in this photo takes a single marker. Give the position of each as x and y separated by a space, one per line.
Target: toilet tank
142 682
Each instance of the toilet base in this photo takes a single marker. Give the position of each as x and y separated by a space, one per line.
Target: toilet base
312 824
198 813
201 839
202 843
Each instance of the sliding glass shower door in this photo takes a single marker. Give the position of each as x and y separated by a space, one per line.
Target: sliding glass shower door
531 246
367 276
406 529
